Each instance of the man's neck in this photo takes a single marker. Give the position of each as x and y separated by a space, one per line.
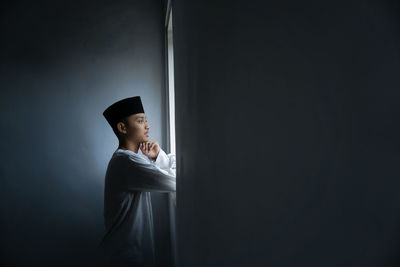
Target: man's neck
129 146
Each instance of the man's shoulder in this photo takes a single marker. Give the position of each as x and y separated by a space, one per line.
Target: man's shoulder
126 155
120 163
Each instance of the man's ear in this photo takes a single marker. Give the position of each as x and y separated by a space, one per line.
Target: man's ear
121 127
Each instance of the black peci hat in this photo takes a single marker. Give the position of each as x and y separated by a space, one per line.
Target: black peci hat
123 108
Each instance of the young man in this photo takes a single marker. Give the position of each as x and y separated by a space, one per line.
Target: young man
130 178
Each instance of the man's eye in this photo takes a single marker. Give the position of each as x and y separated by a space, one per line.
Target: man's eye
140 121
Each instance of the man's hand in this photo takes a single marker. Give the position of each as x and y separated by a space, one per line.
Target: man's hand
150 149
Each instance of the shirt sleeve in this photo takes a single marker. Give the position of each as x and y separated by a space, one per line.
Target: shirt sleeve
140 175
166 162
162 160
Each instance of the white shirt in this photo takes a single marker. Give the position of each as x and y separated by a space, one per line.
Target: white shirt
130 177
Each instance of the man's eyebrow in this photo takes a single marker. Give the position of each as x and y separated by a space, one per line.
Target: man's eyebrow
140 117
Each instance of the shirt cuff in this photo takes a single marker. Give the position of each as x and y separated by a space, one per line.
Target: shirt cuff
162 160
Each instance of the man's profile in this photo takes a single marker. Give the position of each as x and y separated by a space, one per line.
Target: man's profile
129 179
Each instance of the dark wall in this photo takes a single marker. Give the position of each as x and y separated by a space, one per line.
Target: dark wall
287 132
61 64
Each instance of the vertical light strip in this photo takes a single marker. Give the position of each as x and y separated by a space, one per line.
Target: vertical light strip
171 88
172 146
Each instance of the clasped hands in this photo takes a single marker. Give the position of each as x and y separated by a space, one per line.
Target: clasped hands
150 149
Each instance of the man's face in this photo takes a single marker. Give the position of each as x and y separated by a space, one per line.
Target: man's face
137 129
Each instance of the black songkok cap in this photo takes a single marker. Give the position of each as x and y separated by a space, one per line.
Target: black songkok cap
123 108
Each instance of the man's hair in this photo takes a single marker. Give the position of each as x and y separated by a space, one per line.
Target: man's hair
115 129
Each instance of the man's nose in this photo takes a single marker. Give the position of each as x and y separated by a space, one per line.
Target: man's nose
147 126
